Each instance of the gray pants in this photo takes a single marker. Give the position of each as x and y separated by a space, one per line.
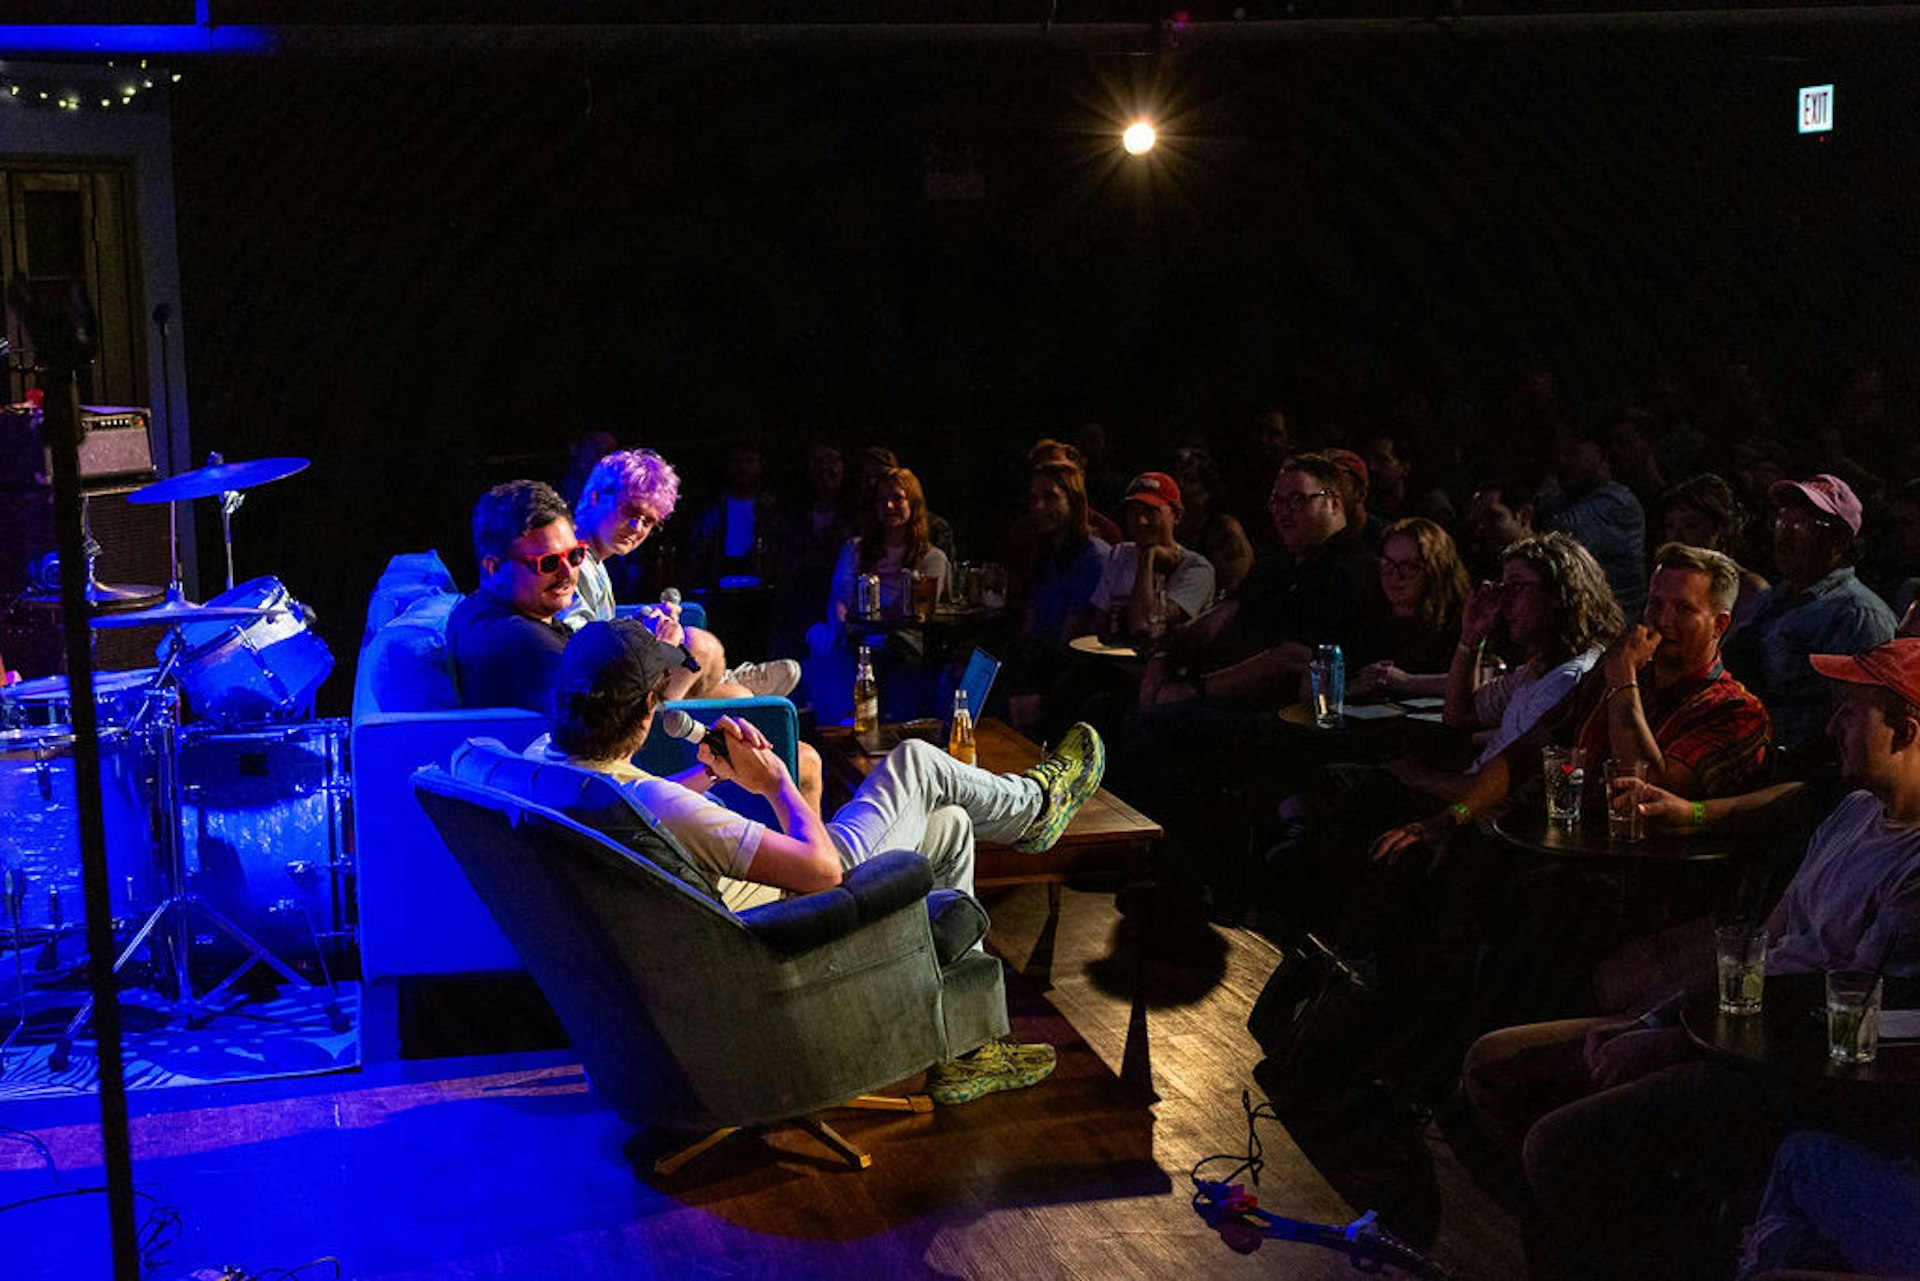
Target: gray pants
920 798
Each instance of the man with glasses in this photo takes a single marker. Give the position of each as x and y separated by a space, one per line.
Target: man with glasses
631 493
1818 606
505 639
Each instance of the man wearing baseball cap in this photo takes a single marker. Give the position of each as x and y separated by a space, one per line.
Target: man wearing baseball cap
611 682
1818 606
1649 1105
1152 582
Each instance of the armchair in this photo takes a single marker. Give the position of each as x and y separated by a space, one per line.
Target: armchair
687 1017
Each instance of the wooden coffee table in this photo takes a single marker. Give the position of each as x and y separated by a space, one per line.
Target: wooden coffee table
1108 838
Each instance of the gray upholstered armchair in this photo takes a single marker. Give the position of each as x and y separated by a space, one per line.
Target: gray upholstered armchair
687 1017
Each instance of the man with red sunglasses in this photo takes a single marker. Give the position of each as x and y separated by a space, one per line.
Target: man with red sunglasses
504 639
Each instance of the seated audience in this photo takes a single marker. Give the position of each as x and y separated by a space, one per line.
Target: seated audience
1205 526
611 681
1701 511
1499 515
893 538
1836 1205
1358 492
1614 1109
506 639
630 494
1053 563
1049 450
1818 605
1151 584
743 532
1583 499
1425 587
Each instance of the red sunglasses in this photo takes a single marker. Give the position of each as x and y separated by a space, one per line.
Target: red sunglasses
550 563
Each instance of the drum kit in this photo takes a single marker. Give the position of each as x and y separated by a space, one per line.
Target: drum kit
198 817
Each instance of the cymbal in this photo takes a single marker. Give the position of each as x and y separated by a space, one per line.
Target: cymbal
101 595
217 478
175 610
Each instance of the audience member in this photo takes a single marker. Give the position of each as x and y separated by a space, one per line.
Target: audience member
1701 511
1053 565
1499 515
1582 498
1425 588
1835 1205
1049 450
1151 584
1622 1105
1354 496
743 533
1204 525
1817 606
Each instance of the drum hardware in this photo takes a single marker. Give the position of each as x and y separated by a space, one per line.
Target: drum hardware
179 905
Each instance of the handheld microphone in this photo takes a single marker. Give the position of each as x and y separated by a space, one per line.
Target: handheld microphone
677 724
670 596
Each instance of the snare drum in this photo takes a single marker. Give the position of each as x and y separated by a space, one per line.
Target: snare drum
47 702
40 835
263 822
265 669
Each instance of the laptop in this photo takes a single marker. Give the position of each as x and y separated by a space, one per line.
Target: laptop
981 671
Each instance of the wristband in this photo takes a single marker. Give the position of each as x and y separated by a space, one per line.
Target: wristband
1618 688
1461 815
1699 816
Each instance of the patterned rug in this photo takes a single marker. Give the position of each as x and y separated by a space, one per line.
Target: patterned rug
288 1031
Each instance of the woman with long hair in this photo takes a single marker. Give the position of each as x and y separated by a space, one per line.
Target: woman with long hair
1054 562
1425 586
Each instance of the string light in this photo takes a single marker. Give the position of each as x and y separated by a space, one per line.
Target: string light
18 84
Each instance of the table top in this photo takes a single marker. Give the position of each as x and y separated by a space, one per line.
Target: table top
1370 716
1789 1037
1526 826
942 615
1105 827
1094 645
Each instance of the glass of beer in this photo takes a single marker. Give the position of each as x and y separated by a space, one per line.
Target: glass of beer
926 588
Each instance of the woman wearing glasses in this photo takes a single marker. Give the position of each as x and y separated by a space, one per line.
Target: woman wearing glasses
1425 587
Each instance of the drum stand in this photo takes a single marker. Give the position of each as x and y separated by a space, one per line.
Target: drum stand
179 905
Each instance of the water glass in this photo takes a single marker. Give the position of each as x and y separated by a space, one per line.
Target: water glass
1741 952
1624 820
1564 770
1853 1015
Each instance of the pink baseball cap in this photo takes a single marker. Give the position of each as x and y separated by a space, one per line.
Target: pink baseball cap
1895 665
1827 492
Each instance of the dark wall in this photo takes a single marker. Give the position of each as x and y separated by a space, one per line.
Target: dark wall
427 277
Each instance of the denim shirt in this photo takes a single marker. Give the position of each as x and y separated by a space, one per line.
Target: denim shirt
1838 614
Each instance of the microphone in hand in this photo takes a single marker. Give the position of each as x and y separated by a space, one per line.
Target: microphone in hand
677 724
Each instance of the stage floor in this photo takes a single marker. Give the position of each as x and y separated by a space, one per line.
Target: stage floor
503 1166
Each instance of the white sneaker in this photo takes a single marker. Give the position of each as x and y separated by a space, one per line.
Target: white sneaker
771 679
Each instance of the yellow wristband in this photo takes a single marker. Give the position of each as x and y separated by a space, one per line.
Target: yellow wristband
1461 815
1699 815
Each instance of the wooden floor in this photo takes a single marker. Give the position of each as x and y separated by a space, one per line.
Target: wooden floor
505 1167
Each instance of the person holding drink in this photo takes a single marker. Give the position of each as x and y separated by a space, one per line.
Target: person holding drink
1631 1095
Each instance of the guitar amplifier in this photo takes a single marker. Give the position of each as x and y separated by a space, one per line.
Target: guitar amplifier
116 443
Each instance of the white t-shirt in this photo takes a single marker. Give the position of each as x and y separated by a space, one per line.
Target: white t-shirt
1856 893
715 837
1189 584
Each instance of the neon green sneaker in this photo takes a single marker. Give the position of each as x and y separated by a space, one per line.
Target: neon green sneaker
995 1066
1067 777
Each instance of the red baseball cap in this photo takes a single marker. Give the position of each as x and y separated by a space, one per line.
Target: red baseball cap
1154 488
1895 665
1355 466
1826 492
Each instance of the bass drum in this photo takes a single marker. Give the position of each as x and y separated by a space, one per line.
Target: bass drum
264 814
264 669
40 834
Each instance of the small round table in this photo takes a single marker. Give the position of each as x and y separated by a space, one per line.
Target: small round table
1788 1038
1526 827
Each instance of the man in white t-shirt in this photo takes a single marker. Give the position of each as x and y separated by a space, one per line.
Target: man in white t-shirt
1151 583
611 680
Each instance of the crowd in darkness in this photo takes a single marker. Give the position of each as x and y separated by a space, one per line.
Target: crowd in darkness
1678 579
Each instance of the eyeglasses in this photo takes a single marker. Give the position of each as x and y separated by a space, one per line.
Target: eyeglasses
638 520
1294 502
1400 568
550 563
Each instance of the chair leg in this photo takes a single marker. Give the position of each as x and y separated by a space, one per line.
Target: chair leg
674 1160
891 1103
813 1125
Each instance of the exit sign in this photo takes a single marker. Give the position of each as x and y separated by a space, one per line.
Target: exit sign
1816 109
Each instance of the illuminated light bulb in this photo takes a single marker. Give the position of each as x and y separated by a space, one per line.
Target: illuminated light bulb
1139 138
176 77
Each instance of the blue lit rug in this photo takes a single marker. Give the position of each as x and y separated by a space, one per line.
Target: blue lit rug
287 1032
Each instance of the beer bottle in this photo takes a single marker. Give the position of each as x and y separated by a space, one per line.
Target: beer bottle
960 732
866 695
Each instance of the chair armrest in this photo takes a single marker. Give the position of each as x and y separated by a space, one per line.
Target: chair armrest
875 889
